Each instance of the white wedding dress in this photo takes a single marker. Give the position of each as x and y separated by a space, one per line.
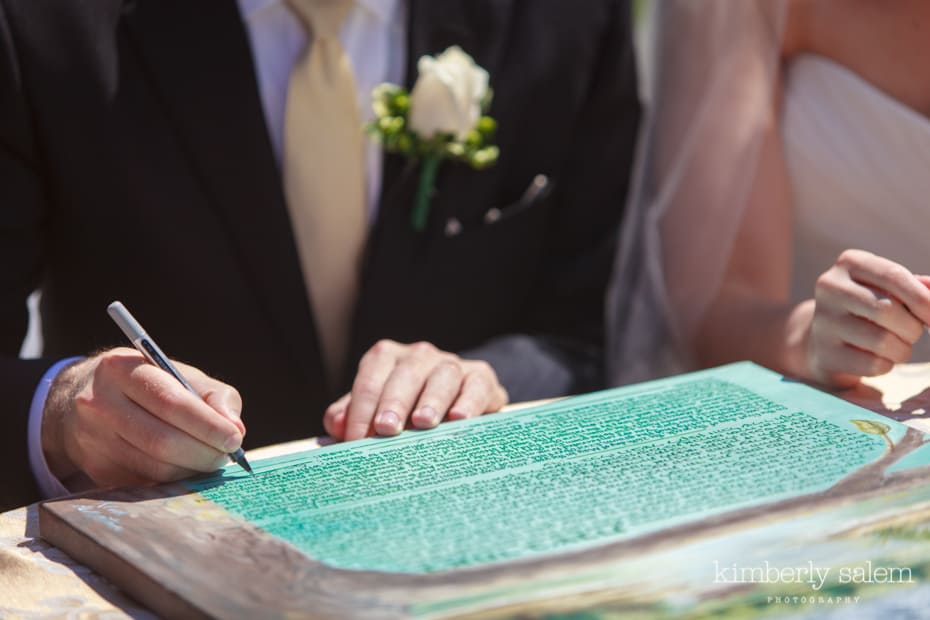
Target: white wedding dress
859 163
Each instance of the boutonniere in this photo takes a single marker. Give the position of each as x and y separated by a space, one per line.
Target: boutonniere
442 118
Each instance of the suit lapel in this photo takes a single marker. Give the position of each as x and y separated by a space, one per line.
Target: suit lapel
394 251
477 26
198 59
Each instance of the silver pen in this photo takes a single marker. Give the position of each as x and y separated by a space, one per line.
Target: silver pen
147 347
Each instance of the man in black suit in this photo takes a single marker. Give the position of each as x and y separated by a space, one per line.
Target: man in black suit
137 163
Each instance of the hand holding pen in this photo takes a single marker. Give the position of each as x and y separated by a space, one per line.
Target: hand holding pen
121 420
153 353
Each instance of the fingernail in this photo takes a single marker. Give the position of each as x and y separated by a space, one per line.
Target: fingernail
388 419
428 415
457 415
340 417
233 442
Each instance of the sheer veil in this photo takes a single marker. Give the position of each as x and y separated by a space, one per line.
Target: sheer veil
710 73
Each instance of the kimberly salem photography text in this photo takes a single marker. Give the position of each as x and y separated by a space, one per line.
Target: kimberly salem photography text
810 573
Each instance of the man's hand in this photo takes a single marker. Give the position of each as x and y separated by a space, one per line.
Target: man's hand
416 382
122 421
868 313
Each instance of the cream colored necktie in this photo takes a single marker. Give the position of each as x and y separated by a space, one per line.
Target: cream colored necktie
324 177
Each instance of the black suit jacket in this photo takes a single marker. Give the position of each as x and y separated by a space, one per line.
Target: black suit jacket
135 164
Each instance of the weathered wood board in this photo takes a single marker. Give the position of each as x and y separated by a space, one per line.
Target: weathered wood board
186 557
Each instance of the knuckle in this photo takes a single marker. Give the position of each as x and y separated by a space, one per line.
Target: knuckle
422 348
216 437
882 308
884 366
879 366
849 257
886 342
826 281
382 347
830 291
852 256
476 386
484 369
110 363
914 332
229 394
449 367
172 400
902 355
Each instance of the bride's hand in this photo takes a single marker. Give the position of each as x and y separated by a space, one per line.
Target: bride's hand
868 313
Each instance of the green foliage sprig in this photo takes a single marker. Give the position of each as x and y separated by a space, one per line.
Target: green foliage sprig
391 129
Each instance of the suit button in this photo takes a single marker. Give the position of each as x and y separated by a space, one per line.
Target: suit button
453 227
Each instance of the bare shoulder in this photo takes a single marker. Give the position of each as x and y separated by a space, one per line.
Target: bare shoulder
885 43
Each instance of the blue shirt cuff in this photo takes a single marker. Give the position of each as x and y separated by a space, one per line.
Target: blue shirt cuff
49 485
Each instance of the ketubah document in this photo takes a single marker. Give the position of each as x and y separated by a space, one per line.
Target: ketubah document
577 473
732 492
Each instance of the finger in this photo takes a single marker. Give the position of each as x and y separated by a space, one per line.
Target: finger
889 276
871 338
846 360
442 386
164 397
117 463
477 393
334 419
221 396
163 442
105 471
401 391
843 295
499 399
373 371
144 465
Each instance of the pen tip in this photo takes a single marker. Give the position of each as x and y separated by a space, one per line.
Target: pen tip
238 457
245 465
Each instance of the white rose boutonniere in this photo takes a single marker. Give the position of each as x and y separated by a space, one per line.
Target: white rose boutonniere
442 118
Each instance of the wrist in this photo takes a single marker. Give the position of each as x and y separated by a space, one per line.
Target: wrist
58 404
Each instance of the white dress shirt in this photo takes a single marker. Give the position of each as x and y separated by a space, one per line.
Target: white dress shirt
374 36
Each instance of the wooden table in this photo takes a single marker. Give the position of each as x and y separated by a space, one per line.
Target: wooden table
39 581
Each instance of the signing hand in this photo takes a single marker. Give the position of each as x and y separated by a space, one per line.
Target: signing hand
868 313
122 421
397 382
